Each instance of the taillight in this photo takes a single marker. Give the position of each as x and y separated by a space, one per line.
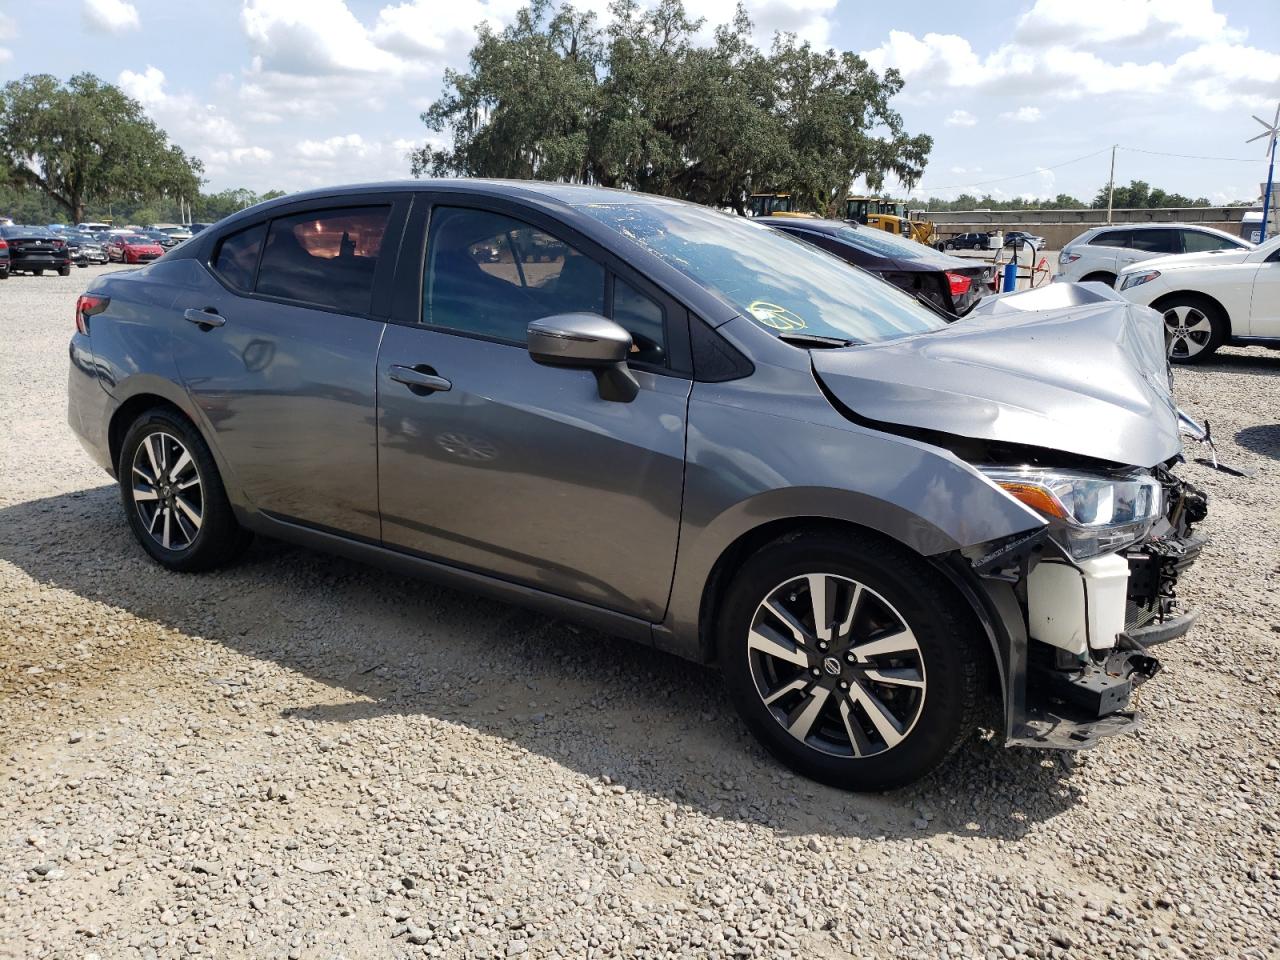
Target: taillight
4 244
59 244
86 307
959 283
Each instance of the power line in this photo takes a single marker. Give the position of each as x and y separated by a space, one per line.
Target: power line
1018 176
1087 156
1188 156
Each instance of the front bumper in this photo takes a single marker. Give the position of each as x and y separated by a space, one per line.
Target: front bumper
1070 698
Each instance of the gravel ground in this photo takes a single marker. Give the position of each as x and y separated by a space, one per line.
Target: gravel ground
304 757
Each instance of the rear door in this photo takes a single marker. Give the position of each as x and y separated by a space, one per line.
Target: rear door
519 470
283 371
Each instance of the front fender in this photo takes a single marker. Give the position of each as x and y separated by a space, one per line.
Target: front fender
746 468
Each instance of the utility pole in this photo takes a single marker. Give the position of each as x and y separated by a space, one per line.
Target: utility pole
1111 181
1271 130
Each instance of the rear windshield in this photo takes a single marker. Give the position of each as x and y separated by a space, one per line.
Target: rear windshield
786 285
25 232
887 245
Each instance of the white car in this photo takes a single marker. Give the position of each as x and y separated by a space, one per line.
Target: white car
1101 253
1208 299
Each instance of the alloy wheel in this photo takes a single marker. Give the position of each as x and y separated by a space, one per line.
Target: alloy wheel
1189 331
836 665
167 491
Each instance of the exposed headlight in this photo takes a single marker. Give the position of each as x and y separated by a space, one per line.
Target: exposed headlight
1088 514
1137 279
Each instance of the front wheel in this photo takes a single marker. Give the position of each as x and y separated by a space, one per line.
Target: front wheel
849 659
173 496
38 272
1194 328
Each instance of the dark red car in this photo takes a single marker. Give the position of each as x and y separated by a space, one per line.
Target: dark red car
133 249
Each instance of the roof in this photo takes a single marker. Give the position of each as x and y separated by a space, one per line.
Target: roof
571 194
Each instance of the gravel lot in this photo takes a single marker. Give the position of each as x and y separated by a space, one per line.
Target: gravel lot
304 757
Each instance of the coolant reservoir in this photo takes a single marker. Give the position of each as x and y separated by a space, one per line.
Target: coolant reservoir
1077 607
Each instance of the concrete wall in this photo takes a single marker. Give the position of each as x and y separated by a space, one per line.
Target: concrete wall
1059 227
1056 235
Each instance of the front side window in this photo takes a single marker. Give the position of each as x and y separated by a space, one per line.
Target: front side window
492 275
324 257
1196 241
237 256
642 317
783 284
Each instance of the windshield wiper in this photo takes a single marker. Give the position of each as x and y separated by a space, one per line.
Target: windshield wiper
815 341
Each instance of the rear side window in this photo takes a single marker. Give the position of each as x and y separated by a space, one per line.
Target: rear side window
237 256
1157 241
1112 238
1194 241
324 257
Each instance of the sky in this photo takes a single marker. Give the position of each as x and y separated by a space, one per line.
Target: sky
1022 98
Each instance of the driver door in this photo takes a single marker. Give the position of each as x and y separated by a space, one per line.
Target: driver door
514 469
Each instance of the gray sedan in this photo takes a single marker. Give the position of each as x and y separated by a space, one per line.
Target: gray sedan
677 426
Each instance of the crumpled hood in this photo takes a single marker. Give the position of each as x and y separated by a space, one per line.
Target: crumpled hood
1064 367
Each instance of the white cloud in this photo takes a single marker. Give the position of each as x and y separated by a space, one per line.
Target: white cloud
312 37
1217 75
1022 115
961 118
1091 23
8 31
111 16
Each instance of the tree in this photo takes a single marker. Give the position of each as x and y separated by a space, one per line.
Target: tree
641 103
86 139
1139 195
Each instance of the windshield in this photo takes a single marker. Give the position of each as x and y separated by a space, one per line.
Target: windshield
784 284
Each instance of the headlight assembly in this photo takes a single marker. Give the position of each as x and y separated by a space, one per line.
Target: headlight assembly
1088 514
1137 279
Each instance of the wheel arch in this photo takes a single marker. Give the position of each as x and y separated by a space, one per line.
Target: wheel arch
736 553
1166 299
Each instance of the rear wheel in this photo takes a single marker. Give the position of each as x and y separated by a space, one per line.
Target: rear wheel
1194 327
64 271
38 272
173 496
1100 277
849 659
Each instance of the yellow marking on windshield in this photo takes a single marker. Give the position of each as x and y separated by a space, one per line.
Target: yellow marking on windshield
772 315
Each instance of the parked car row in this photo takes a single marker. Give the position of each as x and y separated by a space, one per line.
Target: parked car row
680 426
1014 239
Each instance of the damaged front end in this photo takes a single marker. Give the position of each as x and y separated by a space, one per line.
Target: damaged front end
1074 635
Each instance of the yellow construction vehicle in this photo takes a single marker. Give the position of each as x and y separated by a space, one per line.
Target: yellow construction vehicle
891 216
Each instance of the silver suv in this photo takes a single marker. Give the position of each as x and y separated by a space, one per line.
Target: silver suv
1101 253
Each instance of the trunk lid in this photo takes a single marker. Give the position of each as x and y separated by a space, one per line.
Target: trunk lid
1062 367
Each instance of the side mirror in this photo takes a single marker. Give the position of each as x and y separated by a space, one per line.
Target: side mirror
586 341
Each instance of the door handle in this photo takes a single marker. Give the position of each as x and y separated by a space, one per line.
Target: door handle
206 318
420 379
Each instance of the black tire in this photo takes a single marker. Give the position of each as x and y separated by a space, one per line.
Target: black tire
1185 316
895 583
218 539
64 271
1100 277
38 272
